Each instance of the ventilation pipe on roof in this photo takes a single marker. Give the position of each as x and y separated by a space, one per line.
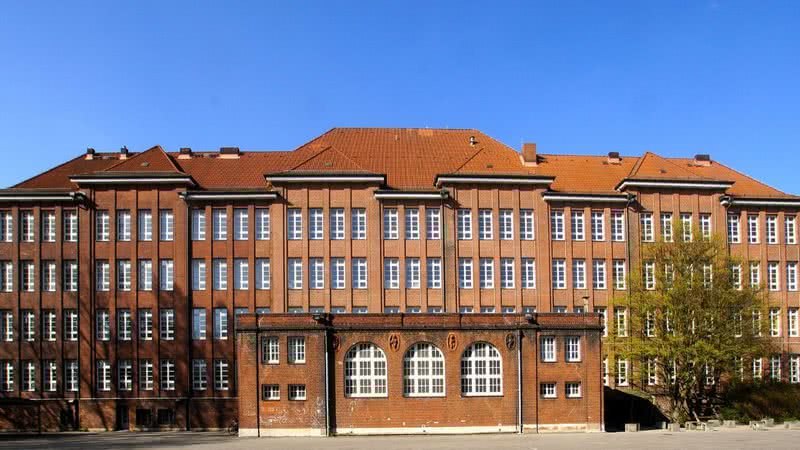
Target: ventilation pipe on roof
90 153
229 152
123 152
472 141
613 158
702 159
529 154
185 153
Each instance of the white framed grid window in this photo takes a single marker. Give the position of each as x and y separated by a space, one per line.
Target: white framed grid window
199 274
103 375
423 371
166 374
297 392
486 273
755 275
686 225
390 224
646 227
7 276
413 273
263 226
775 368
166 225
145 324
221 379
144 225
358 223
219 224
270 392
28 325
124 374
295 266
528 273
548 390
70 318
649 275
220 324
557 225
705 226
241 274
166 275
391 273
433 223
70 276
338 273
124 274
572 389
7 376
772 229
102 325
465 273
28 276
123 225
48 219
359 273
559 274
270 350
219 274
757 369
241 224
598 226
337 230
599 274
579 273
199 324
412 223
263 276
794 369
198 224
145 275
774 322
316 273
622 372
199 375
752 229
773 276
316 224
294 224
166 324
49 375
618 226
71 372
666 227
481 371
734 230
464 224
603 311
102 222
27 226
49 276
49 332
790 229
146 375
791 276
124 325
620 274
547 345
507 273
577 226
70 225
506 220
526 227
365 371
621 321
296 349
103 275
572 348
485 225
6 226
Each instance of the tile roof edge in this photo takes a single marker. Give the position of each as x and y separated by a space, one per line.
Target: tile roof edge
69 161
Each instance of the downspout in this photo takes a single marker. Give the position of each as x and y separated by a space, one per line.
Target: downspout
519 381
258 379
327 386
189 300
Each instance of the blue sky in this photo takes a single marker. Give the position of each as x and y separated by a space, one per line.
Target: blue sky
675 77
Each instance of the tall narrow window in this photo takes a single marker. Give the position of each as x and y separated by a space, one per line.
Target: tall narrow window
465 273
666 227
316 224
774 276
507 224
579 273
166 324
27 226
507 273
621 321
649 275
198 224
547 346
262 224
598 226
686 225
578 226
296 349
220 274
752 229
618 226
145 277
144 227
486 273
390 225
241 224
6 226
241 274
734 234
166 374
391 273
199 375
559 274
557 225
103 275
528 273
464 224
359 273
28 276
316 273
220 375
791 276
70 226
124 325
755 275
412 273
526 228
295 273
199 324
123 225
485 228
49 276
619 274
166 225
49 325
198 274
358 223
167 275
337 224
599 274
772 229
124 274
263 276
646 224
338 273
125 374
49 226
103 375
294 223
219 224
102 325
705 226
412 223
790 229
220 323
145 324
70 317
434 273
7 276
102 226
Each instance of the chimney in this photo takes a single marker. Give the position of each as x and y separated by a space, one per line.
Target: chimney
613 158
89 153
185 153
123 152
472 141
529 154
229 152
702 159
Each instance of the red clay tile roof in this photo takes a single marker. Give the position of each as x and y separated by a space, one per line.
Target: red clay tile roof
410 158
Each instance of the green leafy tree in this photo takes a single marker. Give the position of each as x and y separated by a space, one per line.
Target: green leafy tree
695 324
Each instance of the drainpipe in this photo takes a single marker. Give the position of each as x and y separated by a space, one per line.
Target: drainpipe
327 386
519 381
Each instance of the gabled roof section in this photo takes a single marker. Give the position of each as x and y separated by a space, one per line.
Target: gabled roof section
329 159
154 160
654 167
58 177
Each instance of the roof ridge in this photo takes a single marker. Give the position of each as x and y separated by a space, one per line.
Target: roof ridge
140 154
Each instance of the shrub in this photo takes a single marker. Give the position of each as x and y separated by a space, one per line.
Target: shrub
754 401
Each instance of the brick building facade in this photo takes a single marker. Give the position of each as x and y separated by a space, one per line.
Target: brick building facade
122 273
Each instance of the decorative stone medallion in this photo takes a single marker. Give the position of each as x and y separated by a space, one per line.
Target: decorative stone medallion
394 342
452 341
511 341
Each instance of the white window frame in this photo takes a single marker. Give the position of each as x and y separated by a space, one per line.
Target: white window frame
220 322
241 274
391 273
434 273
391 227
481 371
598 226
618 226
790 229
296 349
337 230
413 273
166 324
752 229
526 225
145 324
166 275
506 222
124 225
599 274
559 273
485 225
423 371
199 324
646 224
365 373
579 273
198 224
219 274
734 229
358 223
295 266
199 274
620 274
166 225
412 223
547 345
772 228
557 225
667 233
465 278
507 271
577 225
464 224
219 224
486 273
316 224
360 273
316 273
199 375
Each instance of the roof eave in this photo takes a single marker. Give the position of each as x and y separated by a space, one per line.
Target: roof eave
28 196
457 178
673 184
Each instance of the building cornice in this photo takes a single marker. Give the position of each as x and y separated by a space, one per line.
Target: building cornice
227 195
443 179
411 195
673 184
27 196
733 201
132 178
325 178
591 198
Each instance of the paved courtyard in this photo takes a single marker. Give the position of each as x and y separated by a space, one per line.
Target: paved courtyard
650 440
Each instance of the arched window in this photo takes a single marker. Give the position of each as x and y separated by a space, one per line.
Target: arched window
481 370
365 371
423 371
